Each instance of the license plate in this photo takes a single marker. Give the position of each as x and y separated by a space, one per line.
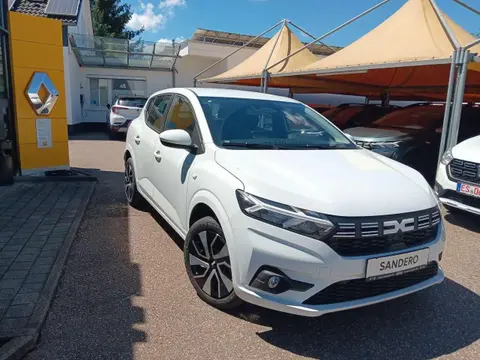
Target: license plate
469 189
382 267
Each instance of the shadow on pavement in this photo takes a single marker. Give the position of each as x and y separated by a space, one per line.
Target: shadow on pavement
435 322
468 221
93 314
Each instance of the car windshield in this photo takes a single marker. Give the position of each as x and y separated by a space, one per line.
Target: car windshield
413 118
250 123
132 102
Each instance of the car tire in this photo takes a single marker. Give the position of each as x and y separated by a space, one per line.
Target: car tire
208 264
134 198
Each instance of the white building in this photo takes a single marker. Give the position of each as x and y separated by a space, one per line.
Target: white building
97 69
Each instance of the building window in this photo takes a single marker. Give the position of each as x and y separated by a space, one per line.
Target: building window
104 91
99 92
128 87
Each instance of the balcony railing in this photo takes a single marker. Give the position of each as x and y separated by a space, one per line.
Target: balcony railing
97 51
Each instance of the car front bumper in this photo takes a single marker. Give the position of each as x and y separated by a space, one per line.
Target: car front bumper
444 186
308 261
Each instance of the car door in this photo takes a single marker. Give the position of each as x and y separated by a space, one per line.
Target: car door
172 166
144 141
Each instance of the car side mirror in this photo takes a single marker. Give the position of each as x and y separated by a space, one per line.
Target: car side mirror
177 138
108 106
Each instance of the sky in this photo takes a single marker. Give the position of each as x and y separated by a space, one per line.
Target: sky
178 19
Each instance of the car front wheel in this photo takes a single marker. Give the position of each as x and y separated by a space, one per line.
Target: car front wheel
208 264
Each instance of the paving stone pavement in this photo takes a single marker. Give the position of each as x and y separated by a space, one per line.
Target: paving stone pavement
36 219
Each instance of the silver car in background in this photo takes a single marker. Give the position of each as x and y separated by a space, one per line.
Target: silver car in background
121 112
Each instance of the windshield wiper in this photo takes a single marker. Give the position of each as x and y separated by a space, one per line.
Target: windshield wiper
248 145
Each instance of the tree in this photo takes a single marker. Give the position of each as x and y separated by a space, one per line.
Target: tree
110 18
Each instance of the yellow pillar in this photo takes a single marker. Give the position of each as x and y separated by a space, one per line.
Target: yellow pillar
36 47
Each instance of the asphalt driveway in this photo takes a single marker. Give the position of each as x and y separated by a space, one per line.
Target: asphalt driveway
125 295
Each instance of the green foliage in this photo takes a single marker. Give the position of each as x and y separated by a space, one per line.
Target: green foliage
110 18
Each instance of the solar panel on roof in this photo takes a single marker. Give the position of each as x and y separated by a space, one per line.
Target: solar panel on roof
63 7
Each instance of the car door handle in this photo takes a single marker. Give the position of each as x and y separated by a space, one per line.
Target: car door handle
157 155
137 139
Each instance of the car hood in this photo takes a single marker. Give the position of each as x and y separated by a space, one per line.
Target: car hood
337 182
468 150
372 134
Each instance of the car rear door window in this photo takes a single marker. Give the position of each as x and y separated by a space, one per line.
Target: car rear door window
157 112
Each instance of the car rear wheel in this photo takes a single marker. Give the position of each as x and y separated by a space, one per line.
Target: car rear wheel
134 198
207 261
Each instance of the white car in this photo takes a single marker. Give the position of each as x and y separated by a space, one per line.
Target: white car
458 177
277 206
123 110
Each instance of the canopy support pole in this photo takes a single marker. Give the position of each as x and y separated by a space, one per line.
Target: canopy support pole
448 105
237 50
448 30
385 99
264 81
467 6
330 32
458 102
313 37
264 88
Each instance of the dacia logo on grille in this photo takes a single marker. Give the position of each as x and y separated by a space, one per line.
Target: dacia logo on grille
393 226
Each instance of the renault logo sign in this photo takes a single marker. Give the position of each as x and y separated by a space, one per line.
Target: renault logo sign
42 93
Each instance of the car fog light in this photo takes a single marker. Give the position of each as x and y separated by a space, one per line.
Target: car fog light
273 282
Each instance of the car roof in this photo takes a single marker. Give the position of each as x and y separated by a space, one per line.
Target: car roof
230 93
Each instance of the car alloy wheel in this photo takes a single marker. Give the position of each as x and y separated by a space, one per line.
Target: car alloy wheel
129 182
209 262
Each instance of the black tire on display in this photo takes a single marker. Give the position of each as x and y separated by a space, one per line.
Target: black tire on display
134 198
208 264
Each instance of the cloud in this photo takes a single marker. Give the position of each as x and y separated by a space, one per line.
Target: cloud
151 17
172 3
178 39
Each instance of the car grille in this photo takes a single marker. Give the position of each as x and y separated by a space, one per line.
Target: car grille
464 171
362 288
376 235
462 198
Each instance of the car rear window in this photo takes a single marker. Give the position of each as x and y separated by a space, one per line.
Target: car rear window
132 102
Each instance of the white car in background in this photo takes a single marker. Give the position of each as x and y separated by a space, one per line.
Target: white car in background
277 206
457 182
121 112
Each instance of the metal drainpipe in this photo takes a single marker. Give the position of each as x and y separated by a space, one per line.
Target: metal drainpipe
448 106
457 109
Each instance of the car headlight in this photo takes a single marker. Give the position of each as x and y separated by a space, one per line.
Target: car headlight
447 157
304 222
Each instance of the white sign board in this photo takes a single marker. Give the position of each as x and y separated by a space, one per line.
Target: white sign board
44 133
